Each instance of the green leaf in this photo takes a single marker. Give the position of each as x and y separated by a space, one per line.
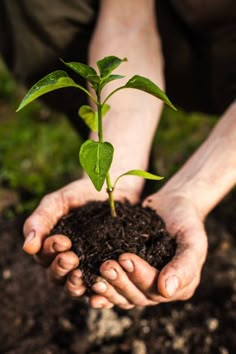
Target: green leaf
96 159
86 71
110 78
94 79
105 109
53 81
90 117
139 173
108 64
146 85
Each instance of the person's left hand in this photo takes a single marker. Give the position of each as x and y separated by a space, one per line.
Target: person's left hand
133 282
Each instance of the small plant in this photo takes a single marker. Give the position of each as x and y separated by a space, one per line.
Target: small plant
96 156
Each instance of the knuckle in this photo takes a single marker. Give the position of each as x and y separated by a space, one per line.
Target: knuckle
123 287
46 199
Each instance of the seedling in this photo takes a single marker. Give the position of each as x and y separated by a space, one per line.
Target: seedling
96 156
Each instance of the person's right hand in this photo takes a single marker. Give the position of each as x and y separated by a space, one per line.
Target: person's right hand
54 251
131 281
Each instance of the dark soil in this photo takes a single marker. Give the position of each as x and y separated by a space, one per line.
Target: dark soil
97 236
36 317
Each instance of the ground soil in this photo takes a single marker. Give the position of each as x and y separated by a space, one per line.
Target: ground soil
38 318
97 236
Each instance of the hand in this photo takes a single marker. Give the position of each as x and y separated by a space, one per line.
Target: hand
132 281
183 203
54 251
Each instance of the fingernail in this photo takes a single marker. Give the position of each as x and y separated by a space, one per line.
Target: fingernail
99 287
58 247
75 280
110 274
29 238
65 265
172 284
127 264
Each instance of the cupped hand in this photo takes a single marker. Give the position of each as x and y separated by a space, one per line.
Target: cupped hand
54 252
133 282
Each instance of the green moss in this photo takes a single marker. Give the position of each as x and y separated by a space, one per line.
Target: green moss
38 148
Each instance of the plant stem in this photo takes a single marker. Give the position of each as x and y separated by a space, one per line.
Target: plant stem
112 93
110 189
87 92
100 128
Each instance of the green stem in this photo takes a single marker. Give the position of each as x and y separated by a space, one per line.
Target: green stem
100 128
112 93
110 189
87 92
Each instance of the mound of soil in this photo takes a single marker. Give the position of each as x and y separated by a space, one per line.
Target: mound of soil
97 236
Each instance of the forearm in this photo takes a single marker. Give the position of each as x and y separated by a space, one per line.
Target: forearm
211 172
134 115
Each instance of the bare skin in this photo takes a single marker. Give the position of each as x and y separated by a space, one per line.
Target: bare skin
183 202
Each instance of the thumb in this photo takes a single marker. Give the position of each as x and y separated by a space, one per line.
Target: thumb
185 267
51 208
40 223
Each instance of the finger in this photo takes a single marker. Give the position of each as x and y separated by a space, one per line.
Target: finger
51 208
74 285
51 247
37 227
145 277
186 265
101 287
117 277
141 273
62 265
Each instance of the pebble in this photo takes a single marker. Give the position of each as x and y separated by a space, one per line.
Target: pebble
139 347
178 343
145 326
223 350
188 306
7 274
212 324
225 246
65 324
170 329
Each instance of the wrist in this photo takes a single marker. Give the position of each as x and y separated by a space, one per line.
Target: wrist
211 172
177 193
